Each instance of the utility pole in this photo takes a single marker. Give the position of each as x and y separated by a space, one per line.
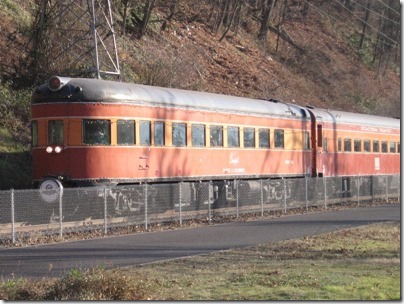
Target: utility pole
76 37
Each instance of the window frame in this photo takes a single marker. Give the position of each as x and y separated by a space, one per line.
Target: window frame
52 127
278 132
217 130
106 122
179 126
131 125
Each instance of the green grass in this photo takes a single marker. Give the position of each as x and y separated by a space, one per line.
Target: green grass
353 264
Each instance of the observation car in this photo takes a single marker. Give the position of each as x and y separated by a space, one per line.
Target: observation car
88 132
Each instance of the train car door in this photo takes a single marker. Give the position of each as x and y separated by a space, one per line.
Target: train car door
316 143
320 148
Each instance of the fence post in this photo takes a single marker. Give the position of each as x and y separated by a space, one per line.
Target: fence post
372 188
180 190
12 216
105 210
145 207
307 193
262 199
211 196
61 211
236 181
358 188
325 192
284 194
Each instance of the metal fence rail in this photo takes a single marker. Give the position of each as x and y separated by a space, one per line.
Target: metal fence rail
24 213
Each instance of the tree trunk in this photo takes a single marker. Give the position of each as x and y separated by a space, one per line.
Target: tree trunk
265 16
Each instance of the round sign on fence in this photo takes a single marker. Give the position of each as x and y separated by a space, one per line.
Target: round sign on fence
50 190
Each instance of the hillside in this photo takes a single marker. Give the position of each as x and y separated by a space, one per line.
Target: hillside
310 54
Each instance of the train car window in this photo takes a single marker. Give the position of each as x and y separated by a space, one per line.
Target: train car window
249 137
233 136
384 147
263 136
279 138
357 145
398 147
376 146
306 144
339 145
392 147
145 133
319 136
96 132
179 134
126 132
347 145
159 133
55 132
366 145
34 133
216 136
198 135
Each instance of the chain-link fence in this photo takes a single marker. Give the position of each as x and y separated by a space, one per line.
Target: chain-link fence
28 212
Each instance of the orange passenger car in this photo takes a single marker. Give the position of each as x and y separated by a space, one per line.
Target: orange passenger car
94 132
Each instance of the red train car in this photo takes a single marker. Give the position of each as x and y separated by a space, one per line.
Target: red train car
94 132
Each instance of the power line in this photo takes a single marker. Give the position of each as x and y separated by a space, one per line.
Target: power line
376 13
388 6
394 45
394 42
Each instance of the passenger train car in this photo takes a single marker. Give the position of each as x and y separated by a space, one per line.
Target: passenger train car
88 132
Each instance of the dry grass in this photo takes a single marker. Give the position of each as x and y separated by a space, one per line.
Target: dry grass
353 264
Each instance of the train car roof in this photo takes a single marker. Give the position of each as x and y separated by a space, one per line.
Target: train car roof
341 117
94 90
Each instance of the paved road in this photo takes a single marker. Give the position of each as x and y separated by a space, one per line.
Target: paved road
57 259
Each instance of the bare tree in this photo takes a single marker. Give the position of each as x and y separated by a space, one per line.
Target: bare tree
266 9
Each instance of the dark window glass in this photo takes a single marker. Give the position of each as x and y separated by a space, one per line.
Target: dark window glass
376 146
179 134
233 137
357 145
384 147
55 132
319 135
263 136
392 147
279 139
347 145
159 133
339 145
96 132
145 133
249 138
398 147
34 133
198 135
216 136
126 132
366 145
306 139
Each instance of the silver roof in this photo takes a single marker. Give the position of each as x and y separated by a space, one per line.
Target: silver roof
90 90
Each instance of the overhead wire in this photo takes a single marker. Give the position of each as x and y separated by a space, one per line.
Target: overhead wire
326 14
376 13
381 33
388 6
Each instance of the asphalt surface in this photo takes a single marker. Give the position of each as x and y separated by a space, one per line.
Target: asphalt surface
54 260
